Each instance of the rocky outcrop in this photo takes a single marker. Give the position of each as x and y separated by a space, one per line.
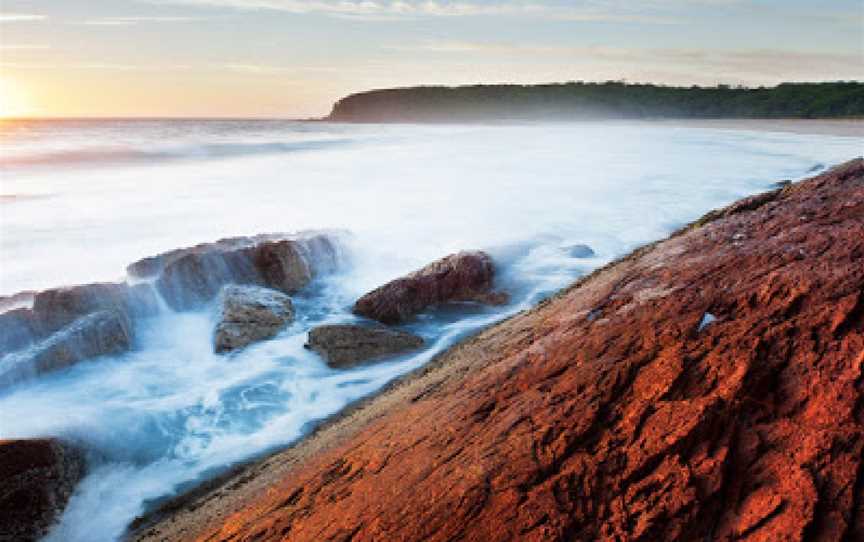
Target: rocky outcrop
97 334
52 332
344 345
248 314
189 278
37 477
609 412
466 276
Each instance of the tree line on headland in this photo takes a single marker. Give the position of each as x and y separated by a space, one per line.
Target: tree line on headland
609 100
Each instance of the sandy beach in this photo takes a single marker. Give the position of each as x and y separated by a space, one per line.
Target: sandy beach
831 127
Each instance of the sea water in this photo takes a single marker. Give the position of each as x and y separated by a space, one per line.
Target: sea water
79 200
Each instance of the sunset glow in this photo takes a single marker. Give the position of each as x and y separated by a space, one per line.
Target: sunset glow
14 101
290 59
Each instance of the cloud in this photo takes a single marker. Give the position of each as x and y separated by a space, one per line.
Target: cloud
497 48
130 21
384 10
767 63
96 66
21 17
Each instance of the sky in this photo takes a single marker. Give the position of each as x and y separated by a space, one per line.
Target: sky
294 58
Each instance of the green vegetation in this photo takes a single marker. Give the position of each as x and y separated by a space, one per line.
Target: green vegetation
577 100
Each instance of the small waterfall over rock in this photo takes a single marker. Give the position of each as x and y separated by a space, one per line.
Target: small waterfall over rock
67 325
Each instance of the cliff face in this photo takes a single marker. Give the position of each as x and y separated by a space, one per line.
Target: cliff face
708 387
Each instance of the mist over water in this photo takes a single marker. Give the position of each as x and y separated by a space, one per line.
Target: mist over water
78 202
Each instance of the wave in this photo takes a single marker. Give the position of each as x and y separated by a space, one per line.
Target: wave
209 151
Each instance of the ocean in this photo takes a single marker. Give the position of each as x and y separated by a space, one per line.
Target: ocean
79 200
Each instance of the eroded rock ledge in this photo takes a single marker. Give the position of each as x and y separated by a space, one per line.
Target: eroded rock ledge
611 412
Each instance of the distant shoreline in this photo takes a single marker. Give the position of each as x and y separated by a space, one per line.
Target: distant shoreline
845 127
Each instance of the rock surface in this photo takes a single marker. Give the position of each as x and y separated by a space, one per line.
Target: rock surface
604 414
466 276
97 334
249 314
37 477
344 345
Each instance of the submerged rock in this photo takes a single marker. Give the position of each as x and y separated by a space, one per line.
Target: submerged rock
466 276
249 314
97 334
344 345
37 477
579 251
556 425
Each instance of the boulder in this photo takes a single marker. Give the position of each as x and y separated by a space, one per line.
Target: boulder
248 314
191 281
466 276
345 345
97 334
58 307
37 477
189 278
152 266
70 324
282 265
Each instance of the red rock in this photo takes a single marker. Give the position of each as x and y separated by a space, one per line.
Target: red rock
605 413
37 478
466 276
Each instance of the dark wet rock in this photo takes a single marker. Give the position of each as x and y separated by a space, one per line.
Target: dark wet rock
37 477
153 265
580 251
97 334
781 184
68 325
466 276
249 314
17 330
282 265
189 278
58 307
344 345
192 280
